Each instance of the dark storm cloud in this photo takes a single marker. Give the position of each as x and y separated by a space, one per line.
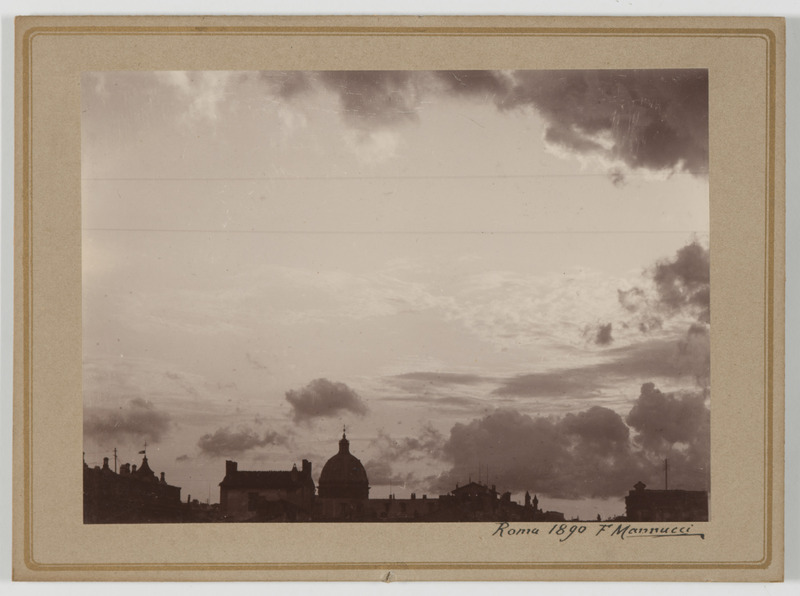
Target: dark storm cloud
226 442
585 454
139 420
676 428
662 419
653 119
322 398
683 282
682 286
580 455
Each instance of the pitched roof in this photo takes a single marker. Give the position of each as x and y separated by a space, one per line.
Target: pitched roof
277 479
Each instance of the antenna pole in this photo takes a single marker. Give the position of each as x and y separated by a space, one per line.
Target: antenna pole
115 460
666 474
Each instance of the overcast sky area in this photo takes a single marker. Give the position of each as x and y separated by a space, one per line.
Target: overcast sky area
497 275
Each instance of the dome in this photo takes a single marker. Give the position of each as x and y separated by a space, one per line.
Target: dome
343 476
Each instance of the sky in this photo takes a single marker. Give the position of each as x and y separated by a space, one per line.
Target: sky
484 275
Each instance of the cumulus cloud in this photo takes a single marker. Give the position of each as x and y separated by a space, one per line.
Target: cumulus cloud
226 442
389 452
680 287
580 455
585 454
651 119
662 419
677 428
683 282
322 398
137 421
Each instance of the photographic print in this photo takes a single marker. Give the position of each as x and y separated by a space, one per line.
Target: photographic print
399 298
396 296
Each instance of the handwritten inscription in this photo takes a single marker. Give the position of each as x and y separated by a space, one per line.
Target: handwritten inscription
564 532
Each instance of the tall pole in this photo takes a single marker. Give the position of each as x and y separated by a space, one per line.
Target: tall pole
666 474
115 460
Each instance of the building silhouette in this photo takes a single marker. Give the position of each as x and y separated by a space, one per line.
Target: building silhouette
343 486
130 496
267 496
644 505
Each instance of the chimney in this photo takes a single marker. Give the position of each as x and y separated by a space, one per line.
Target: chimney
424 497
163 481
124 469
105 463
307 468
294 473
231 467
133 469
413 496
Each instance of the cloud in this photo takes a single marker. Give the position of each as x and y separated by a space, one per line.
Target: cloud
599 335
676 428
588 454
443 378
226 442
391 453
565 382
683 282
204 91
138 421
580 455
655 120
662 419
628 120
680 287
603 337
184 457
379 98
660 358
322 398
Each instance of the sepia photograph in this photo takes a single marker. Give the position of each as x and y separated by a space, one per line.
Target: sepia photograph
395 296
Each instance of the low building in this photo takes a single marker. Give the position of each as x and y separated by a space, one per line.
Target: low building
480 502
643 505
266 495
130 496
393 509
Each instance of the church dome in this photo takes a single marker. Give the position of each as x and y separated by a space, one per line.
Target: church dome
343 476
